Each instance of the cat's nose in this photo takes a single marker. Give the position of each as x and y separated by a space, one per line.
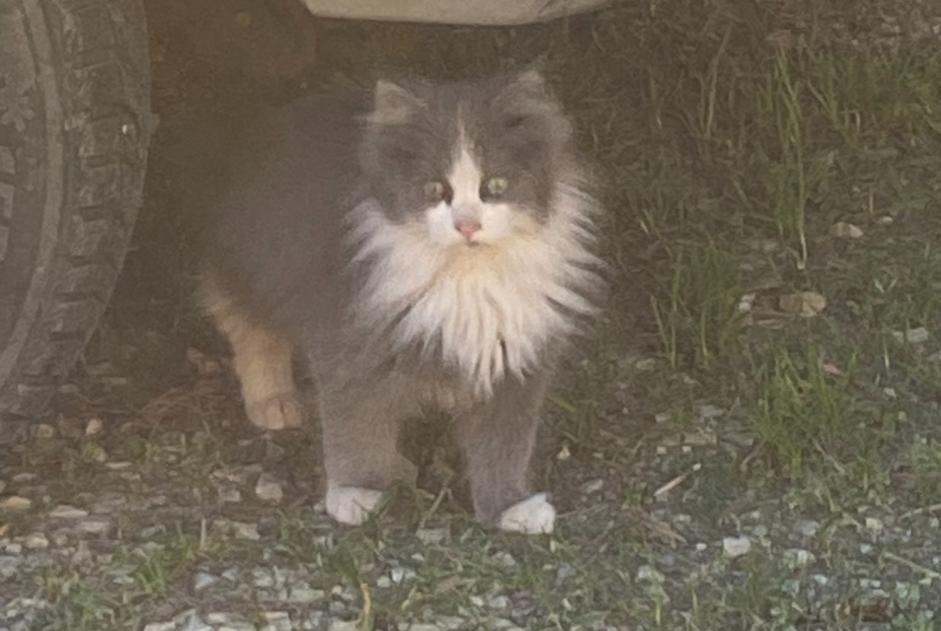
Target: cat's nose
467 227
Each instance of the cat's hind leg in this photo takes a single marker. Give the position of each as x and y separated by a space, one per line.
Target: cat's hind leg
262 362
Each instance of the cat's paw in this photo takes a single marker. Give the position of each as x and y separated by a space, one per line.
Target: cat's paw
351 505
281 411
533 516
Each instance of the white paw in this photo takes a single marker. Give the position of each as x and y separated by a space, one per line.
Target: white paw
351 504
278 412
533 516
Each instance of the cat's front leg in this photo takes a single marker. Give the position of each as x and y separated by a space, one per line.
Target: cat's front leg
361 422
497 439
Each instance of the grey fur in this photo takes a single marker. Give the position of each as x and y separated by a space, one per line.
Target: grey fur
279 250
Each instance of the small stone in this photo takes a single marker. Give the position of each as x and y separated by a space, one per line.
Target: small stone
246 531
505 559
268 489
498 602
874 525
808 527
94 526
645 365
384 582
160 626
189 620
865 548
15 504
305 595
64 511
564 453
709 411
202 580
94 426
845 230
9 565
400 574
118 465
262 578
36 541
746 302
229 494
806 304
44 431
650 574
593 486
917 335
24 477
736 546
701 547
662 417
797 558
231 574
276 621
431 536
345 625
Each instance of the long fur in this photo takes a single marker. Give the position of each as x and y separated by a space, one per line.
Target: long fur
488 314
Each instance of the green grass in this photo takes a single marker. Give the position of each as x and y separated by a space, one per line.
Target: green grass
727 158
802 412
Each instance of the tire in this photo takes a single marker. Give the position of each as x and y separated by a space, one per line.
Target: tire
74 128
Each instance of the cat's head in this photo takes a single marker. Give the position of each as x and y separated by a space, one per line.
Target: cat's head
469 163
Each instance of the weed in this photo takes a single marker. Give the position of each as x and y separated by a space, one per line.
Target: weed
801 409
696 315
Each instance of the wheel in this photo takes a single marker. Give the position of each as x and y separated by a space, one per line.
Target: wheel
74 128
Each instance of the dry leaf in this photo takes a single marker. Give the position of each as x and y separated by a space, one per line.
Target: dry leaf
846 230
806 304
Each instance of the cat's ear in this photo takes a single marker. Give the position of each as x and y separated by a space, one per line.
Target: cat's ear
393 104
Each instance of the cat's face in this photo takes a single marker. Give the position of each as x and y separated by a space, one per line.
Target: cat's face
466 164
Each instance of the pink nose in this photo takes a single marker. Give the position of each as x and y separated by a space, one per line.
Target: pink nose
467 227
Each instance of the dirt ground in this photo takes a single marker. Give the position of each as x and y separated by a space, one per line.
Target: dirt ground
147 501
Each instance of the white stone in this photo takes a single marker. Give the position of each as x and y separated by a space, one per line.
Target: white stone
736 546
649 573
305 595
15 504
268 489
36 541
64 511
94 426
94 526
429 536
797 558
202 580
593 486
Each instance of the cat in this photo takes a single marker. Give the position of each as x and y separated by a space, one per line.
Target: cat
418 244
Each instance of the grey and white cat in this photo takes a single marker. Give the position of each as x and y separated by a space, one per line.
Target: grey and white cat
418 245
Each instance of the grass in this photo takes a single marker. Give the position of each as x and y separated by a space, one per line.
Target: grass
732 137
802 411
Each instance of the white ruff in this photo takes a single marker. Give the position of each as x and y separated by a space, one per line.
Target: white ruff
522 290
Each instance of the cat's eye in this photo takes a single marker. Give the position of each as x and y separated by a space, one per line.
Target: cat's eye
494 187
436 191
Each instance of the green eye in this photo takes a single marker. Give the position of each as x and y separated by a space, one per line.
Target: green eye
494 187
435 191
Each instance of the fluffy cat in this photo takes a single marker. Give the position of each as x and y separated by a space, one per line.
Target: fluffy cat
418 245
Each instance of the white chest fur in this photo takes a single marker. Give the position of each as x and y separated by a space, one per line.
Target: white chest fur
489 309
